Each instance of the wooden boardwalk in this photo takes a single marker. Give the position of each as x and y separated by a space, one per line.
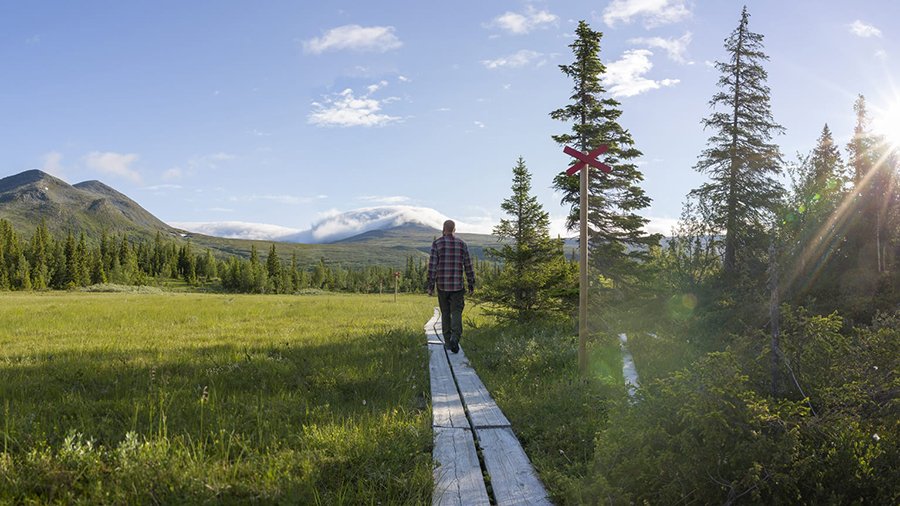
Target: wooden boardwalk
465 420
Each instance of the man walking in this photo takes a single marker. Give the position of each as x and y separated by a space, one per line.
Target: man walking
449 258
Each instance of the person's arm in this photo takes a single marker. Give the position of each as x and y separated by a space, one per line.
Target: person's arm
470 272
432 268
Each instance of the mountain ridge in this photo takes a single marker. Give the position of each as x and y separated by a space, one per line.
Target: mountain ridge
92 207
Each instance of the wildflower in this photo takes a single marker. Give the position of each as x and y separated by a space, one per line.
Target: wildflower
205 395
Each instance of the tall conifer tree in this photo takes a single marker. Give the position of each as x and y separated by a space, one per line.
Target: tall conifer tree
740 158
616 240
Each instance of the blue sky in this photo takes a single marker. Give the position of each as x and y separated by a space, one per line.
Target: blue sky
285 112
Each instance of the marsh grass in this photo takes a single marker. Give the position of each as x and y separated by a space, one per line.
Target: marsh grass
532 372
129 398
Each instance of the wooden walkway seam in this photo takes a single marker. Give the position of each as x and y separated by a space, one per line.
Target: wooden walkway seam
466 419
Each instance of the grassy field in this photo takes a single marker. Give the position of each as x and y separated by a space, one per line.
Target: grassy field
194 398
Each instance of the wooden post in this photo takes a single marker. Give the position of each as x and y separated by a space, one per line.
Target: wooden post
583 272
396 285
584 163
774 314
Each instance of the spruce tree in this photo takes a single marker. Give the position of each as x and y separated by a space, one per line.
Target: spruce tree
536 276
813 228
273 268
740 159
874 163
617 241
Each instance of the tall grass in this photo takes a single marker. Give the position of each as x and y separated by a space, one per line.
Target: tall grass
532 372
190 398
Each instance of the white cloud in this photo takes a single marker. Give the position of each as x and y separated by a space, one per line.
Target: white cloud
335 225
519 24
479 124
658 225
52 164
675 48
172 174
520 58
237 229
403 79
379 199
861 29
625 77
159 187
372 88
653 12
377 39
881 54
345 110
116 164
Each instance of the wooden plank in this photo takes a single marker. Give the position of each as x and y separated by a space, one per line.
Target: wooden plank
513 480
446 406
457 473
478 402
433 328
629 371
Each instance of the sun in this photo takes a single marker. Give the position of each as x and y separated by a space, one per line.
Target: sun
887 123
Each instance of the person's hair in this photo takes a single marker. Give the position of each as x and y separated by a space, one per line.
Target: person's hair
449 227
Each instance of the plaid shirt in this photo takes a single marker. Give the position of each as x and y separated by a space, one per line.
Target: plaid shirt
449 257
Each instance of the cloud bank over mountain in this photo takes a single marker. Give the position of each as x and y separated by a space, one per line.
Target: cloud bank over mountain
333 226
236 229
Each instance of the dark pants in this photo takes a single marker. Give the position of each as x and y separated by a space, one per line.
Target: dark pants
452 304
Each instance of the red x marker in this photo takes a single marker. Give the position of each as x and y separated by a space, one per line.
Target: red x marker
587 159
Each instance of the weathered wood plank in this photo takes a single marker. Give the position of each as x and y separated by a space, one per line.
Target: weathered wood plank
446 406
513 480
457 473
629 371
433 328
478 402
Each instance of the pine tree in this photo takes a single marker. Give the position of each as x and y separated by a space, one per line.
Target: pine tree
740 159
874 163
813 228
535 273
273 268
617 241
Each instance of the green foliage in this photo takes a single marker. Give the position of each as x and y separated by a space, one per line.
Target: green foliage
184 399
531 371
701 435
742 163
536 280
617 240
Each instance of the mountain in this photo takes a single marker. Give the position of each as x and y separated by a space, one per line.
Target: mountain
339 226
93 207
88 207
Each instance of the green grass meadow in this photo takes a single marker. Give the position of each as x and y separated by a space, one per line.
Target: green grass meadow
199 398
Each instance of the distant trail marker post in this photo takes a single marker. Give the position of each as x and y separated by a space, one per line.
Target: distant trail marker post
585 161
396 284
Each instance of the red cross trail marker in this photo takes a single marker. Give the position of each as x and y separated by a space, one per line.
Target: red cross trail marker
584 187
587 159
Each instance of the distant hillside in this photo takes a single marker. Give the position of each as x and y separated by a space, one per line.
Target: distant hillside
88 207
92 207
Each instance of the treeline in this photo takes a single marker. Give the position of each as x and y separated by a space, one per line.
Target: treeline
48 263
